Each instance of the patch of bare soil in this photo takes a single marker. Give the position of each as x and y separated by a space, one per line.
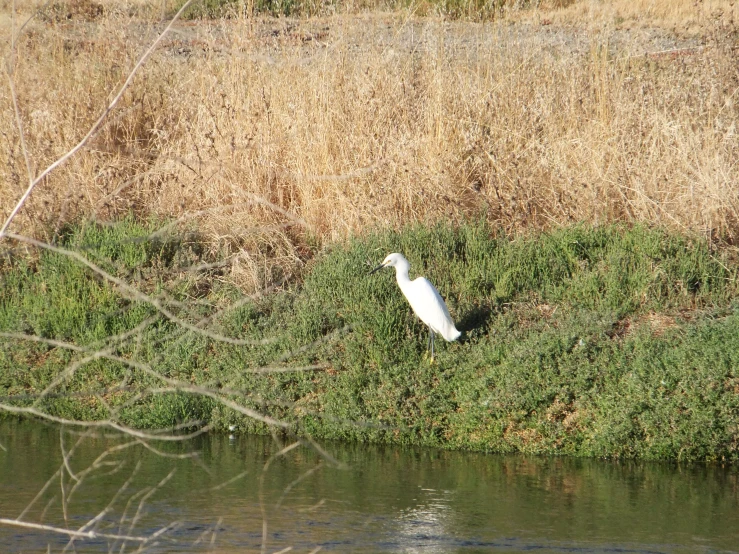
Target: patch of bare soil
268 37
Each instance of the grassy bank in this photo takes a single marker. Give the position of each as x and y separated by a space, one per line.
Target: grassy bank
608 341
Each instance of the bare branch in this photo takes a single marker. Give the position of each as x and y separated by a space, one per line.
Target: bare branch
69 371
227 483
95 126
49 481
215 531
50 342
99 461
157 534
135 293
92 522
262 505
143 500
71 533
174 386
66 455
336 463
296 481
203 391
103 424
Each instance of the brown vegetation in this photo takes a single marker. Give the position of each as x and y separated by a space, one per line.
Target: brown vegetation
278 134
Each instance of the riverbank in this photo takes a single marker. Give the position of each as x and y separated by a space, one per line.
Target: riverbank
609 341
565 173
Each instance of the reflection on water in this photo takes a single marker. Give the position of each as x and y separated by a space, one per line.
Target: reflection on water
385 500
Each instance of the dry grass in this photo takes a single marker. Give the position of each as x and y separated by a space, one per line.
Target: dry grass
679 15
275 135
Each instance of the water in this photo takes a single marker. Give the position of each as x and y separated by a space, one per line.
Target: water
386 500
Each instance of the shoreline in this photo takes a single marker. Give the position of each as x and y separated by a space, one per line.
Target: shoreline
611 342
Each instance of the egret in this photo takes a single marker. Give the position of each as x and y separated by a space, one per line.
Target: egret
424 299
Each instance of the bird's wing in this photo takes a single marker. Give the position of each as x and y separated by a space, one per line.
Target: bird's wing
428 305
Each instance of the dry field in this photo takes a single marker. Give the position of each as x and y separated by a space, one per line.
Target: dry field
274 136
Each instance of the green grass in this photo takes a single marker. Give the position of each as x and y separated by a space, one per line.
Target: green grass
608 342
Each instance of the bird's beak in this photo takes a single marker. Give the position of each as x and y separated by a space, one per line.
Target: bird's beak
378 268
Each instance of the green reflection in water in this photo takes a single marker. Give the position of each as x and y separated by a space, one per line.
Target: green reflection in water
386 500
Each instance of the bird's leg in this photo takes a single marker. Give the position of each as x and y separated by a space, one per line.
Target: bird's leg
431 338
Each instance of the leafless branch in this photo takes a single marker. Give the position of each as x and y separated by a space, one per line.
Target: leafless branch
70 532
103 424
135 293
302 477
94 521
143 500
35 181
232 480
262 504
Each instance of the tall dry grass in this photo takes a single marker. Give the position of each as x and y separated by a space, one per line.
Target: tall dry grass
277 135
682 15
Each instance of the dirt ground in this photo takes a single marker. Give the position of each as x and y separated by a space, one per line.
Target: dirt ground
365 31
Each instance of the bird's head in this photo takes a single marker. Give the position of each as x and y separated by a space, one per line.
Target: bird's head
392 260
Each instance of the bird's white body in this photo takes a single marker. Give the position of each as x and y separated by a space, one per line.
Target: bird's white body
424 299
428 304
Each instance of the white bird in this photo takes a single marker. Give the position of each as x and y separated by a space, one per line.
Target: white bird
424 299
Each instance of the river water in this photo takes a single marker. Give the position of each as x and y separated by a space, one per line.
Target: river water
236 496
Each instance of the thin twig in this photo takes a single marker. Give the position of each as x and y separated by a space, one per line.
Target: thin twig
143 500
135 293
103 424
227 483
262 506
302 477
66 455
94 521
95 125
70 532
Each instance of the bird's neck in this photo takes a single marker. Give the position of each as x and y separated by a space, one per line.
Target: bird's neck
401 274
